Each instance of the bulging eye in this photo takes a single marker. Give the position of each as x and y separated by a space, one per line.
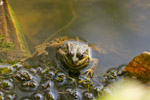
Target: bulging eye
80 56
69 54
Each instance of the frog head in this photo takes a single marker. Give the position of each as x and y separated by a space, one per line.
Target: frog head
75 55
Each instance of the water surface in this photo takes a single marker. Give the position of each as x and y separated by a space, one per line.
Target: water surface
121 27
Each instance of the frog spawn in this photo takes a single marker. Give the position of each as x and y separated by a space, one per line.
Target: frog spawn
48 82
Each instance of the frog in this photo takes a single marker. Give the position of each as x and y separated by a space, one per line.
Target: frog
72 52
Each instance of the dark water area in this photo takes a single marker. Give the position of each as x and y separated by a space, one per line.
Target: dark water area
121 27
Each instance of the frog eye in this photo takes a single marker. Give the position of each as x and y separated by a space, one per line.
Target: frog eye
69 54
80 56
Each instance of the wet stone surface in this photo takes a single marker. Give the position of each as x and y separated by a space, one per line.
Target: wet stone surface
50 83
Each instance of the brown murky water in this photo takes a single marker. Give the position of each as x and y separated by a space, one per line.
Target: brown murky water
121 27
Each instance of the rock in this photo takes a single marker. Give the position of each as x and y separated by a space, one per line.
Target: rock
140 66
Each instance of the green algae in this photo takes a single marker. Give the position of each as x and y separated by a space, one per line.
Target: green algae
5 45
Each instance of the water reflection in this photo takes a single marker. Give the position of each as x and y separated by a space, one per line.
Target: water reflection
119 26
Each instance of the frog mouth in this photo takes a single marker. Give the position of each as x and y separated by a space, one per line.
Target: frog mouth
76 65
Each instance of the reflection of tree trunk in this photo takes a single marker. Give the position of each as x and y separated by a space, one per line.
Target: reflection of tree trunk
9 29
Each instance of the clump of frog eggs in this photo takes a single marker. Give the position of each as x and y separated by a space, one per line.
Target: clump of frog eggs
49 83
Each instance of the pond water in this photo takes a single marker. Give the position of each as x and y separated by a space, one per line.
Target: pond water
121 27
